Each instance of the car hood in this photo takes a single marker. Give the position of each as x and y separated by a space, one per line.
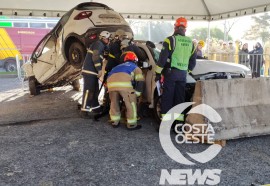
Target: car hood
204 66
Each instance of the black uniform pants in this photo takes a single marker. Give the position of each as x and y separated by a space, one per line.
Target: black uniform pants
90 93
174 90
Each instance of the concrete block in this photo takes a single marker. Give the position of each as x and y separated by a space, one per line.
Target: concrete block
243 104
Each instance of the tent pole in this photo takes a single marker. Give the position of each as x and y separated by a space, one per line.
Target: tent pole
208 40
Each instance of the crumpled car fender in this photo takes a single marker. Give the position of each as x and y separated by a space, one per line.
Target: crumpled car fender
28 69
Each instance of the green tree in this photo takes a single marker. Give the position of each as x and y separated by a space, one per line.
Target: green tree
260 28
202 34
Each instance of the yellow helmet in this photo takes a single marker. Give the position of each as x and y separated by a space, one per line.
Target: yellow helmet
201 42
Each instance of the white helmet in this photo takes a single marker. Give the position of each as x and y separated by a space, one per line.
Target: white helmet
124 43
104 34
120 32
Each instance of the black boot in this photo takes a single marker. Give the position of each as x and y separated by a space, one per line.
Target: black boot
134 128
84 115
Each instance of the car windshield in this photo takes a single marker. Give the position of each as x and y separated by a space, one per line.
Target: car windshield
42 47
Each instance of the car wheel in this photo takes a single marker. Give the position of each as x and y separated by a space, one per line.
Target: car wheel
10 65
76 55
157 112
76 84
33 86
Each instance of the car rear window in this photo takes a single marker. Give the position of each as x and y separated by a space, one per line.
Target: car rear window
92 6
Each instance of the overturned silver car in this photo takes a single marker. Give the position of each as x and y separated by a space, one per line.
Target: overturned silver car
58 58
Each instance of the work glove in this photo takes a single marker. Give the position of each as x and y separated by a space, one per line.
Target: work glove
158 77
138 94
190 72
99 74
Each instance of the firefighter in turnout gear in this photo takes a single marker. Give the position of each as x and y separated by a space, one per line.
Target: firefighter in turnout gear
177 57
126 81
115 50
128 46
91 71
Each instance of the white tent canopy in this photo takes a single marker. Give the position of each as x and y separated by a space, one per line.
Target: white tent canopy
150 9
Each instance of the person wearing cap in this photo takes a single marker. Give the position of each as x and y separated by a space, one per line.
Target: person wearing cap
224 52
231 51
126 81
220 44
91 72
211 49
219 50
177 57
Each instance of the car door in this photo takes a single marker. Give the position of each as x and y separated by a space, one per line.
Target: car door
46 56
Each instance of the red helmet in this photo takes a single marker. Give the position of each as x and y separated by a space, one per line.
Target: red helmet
130 56
181 21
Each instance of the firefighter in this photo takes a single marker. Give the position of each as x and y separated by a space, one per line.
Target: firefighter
113 59
176 58
128 45
115 50
92 71
126 81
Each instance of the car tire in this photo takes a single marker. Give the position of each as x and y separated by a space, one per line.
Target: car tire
157 112
33 86
76 85
10 65
76 55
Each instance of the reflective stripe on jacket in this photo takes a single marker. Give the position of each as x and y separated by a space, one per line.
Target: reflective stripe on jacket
123 76
94 57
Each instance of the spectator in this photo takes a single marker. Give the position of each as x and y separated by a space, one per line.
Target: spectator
153 50
199 48
224 52
211 49
231 51
220 44
195 42
256 60
243 55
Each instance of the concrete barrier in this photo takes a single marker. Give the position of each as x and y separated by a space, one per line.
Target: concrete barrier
243 104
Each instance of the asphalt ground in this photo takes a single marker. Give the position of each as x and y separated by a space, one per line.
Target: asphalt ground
45 142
